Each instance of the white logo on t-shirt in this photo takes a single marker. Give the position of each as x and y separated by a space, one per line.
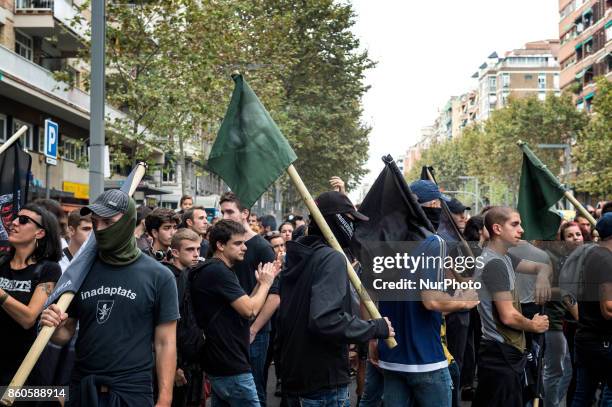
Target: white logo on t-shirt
15 285
103 310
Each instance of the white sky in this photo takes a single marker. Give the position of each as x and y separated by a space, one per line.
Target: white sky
427 51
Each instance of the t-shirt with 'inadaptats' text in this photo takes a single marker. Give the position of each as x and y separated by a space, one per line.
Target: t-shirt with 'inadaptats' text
118 308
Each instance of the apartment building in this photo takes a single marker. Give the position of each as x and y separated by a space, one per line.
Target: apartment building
532 70
585 33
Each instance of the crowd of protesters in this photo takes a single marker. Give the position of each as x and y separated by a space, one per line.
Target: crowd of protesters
179 307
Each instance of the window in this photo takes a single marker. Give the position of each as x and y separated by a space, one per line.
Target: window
169 172
71 149
492 83
609 32
26 139
528 77
3 135
505 80
542 81
23 45
556 81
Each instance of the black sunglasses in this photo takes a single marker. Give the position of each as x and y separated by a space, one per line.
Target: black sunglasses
24 219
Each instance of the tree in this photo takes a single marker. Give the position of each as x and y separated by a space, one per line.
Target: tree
593 149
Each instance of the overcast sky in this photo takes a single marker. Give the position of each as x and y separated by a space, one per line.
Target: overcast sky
427 51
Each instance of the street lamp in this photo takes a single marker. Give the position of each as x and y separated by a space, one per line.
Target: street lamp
476 187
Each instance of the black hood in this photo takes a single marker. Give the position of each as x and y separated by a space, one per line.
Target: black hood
298 253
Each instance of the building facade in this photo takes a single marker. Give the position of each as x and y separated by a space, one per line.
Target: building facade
532 70
585 33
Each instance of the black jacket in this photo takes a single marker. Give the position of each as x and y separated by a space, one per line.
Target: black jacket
315 322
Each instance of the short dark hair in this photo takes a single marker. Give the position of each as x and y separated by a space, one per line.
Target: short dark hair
222 233
75 218
50 246
188 214
286 223
184 198
579 215
605 208
497 215
231 197
158 217
473 227
142 213
268 221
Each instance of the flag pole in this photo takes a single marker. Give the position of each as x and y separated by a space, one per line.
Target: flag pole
44 336
318 217
567 194
13 139
448 214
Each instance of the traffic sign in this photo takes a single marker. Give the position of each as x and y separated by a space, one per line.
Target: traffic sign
51 141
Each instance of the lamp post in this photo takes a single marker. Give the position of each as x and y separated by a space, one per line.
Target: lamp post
476 187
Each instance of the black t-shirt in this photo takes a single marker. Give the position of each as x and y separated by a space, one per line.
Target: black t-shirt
118 308
214 287
20 284
258 251
597 270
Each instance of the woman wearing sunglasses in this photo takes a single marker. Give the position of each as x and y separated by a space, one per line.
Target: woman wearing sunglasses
28 273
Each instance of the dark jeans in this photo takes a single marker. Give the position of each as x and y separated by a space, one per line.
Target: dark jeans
233 391
374 387
468 370
457 329
257 353
593 366
338 397
425 389
455 374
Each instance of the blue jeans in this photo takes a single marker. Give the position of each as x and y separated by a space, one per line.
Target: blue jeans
338 397
593 361
257 355
557 368
233 391
427 389
374 387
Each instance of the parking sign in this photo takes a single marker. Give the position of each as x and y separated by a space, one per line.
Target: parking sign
51 140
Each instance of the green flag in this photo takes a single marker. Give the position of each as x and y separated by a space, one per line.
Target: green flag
250 152
539 190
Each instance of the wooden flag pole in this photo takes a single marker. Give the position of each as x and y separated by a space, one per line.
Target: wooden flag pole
568 195
13 139
44 336
318 217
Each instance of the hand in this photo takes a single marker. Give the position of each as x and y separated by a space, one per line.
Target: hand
265 274
390 327
469 298
337 184
540 323
179 378
373 352
542 289
53 316
278 263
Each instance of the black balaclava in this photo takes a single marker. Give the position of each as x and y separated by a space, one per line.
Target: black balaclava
117 244
341 226
433 214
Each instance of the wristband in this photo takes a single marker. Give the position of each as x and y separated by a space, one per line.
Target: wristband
3 298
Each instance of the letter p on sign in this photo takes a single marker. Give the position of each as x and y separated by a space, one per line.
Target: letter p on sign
51 139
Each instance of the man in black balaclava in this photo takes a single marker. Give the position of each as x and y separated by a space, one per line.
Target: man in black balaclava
126 302
316 322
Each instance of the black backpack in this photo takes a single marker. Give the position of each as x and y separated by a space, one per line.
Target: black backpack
190 338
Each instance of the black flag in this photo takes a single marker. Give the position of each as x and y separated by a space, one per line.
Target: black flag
395 214
15 165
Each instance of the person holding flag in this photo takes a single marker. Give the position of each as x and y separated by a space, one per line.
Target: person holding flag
28 273
127 302
316 321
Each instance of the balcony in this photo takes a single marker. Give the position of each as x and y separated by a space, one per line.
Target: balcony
46 18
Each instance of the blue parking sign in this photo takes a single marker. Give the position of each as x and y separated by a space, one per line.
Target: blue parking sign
51 139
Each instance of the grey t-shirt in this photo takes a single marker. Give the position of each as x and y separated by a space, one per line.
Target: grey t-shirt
118 308
525 283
